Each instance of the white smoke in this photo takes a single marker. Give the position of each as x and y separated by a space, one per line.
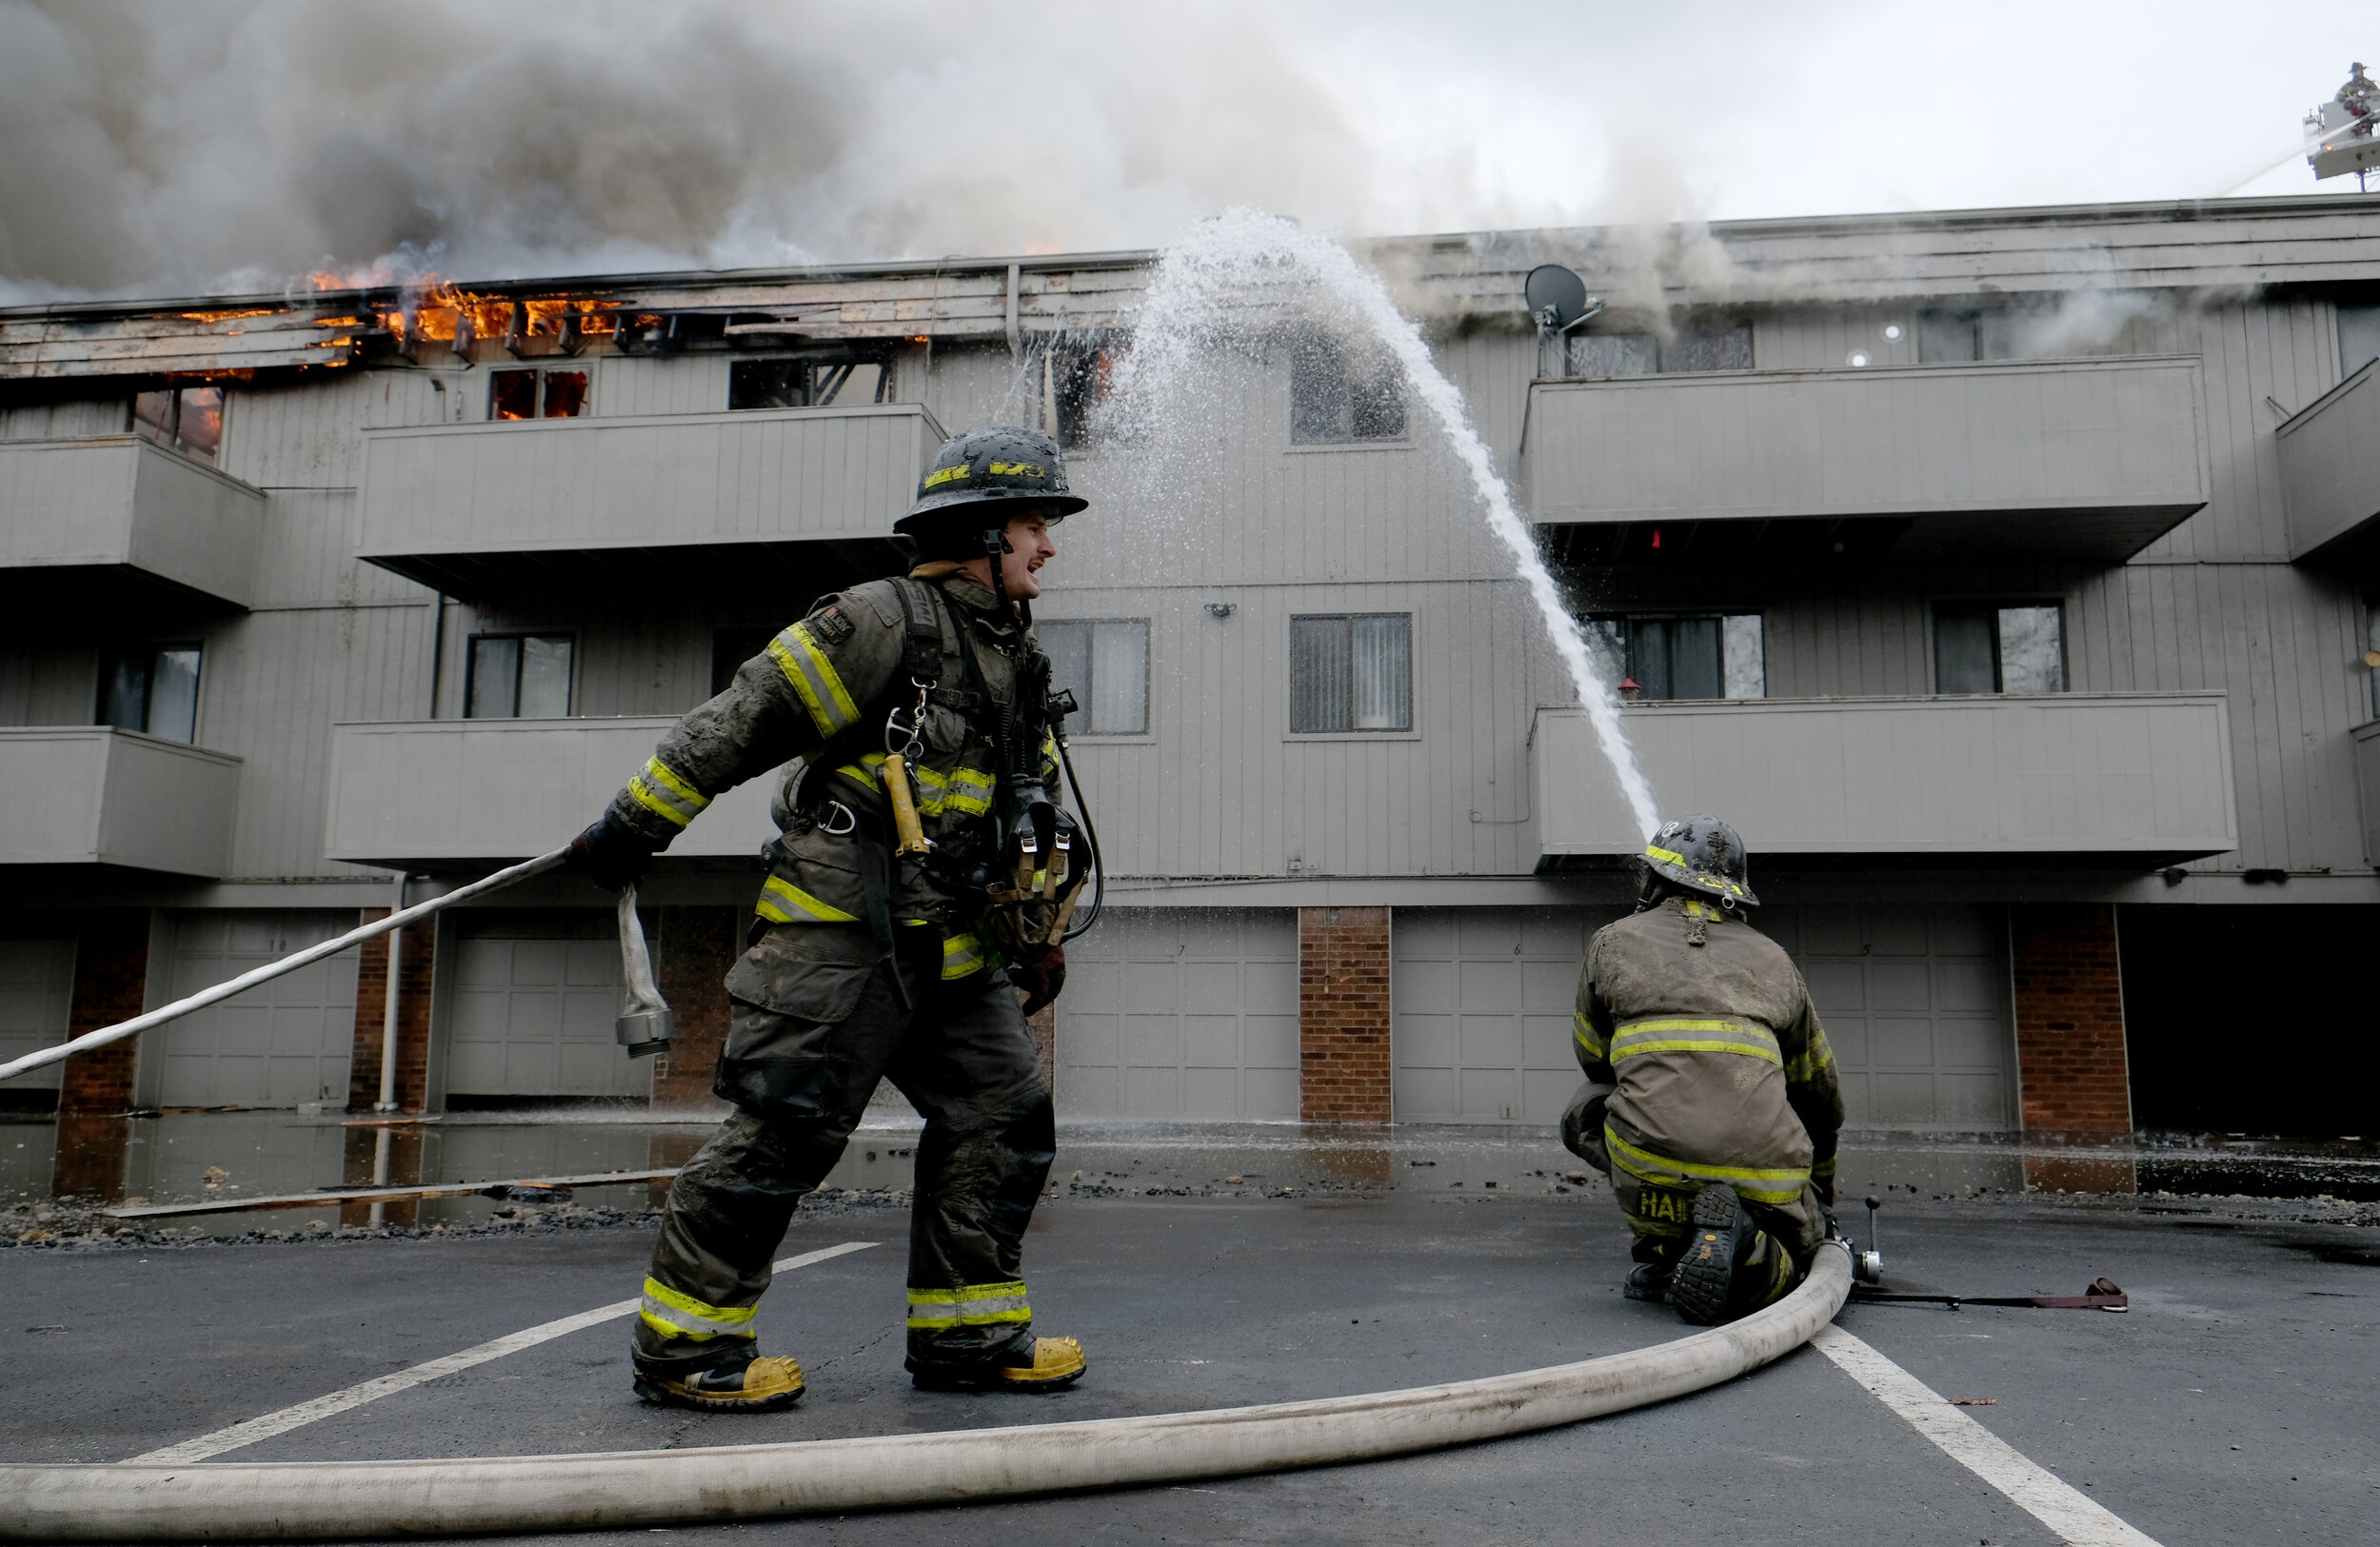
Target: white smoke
226 145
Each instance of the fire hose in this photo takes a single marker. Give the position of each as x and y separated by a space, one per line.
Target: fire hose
643 1027
313 1500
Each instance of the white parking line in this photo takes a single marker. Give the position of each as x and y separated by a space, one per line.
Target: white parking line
249 1431
2039 1492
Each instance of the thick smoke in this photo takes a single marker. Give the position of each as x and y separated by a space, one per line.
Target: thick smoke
229 144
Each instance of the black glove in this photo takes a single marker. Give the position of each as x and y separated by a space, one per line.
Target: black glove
1044 981
610 854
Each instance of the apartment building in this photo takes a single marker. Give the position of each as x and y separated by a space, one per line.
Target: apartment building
2006 577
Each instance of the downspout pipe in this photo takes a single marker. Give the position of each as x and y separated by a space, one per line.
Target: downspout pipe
314 1501
387 1102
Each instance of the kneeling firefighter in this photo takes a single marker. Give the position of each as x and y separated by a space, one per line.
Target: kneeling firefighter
925 872
1710 1098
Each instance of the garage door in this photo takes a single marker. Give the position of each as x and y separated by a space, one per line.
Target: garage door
1481 1003
37 991
1914 1001
283 1043
1182 1013
532 1008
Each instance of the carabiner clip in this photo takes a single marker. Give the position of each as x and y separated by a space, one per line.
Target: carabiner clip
850 819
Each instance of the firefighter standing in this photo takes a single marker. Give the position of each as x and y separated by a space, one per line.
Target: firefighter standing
1711 1099
879 949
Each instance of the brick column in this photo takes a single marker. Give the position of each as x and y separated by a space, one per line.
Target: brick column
111 980
1343 1015
2069 1019
690 963
417 968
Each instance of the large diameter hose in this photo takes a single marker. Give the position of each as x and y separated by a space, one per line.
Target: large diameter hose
306 1500
270 970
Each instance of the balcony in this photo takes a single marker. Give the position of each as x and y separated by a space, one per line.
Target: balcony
471 794
2088 781
86 795
118 522
2088 460
801 499
2331 471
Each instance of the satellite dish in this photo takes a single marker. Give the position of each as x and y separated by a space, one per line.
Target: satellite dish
1556 297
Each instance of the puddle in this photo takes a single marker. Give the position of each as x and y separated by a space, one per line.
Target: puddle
170 1158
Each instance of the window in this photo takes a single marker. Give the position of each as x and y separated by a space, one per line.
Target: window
805 383
189 419
1351 672
518 676
1726 348
1077 382
1594 355
151 688
2371 648
1336 396
536 394
1982 648
1719 656
1105 662
2359 338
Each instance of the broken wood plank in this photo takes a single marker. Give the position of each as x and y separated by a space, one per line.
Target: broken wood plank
388 1194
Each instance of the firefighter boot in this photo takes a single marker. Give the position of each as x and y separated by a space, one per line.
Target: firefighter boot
1703 1284
765 1385
1647 1280
1056 1362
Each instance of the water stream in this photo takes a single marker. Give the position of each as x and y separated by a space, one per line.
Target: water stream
1243 273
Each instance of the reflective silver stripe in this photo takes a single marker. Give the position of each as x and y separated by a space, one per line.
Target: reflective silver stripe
667 1310
962 957
1683 1035
814 681
666 793
971 1305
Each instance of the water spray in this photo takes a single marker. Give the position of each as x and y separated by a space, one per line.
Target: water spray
1245 267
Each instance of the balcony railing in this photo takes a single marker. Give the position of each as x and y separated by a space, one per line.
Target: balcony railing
2084 779
116 521
2331 470
533 506
2090 459
432 794
86 795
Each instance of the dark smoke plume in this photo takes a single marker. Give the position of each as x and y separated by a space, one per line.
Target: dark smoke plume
226 145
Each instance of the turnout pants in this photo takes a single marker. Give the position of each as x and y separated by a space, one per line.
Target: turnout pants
1656 1193
816 1024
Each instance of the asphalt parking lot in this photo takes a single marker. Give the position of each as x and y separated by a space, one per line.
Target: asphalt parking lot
2230 1405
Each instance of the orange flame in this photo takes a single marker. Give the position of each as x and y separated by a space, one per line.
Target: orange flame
226 316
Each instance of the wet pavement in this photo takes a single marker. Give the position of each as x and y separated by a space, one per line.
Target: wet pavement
1215 1265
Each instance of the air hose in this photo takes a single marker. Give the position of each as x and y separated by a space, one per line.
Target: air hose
317 1501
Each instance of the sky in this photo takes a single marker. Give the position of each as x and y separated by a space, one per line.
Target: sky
182 146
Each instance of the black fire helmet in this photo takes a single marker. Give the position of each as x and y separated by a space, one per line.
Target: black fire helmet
975 476
1705 854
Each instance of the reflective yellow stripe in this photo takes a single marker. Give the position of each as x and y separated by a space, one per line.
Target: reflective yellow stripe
963 789
969 1305
812 677
1669 855
1772 1185
1654 851
675 1314
962 957
1587 1037
1824 1170
1805 1064
1681 1036
666 793
810 909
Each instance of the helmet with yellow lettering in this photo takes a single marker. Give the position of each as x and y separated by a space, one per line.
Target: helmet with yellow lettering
999 467
1703 854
